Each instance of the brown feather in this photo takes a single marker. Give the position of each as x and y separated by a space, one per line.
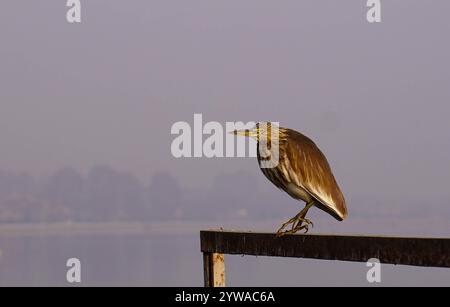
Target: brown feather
303 164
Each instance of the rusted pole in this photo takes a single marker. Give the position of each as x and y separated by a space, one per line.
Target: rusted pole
214 269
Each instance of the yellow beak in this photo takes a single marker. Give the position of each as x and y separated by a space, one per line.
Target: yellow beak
253 133
245 132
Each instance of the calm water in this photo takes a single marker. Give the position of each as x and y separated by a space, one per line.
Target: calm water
175 260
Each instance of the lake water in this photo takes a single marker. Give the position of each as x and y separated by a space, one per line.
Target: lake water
152 258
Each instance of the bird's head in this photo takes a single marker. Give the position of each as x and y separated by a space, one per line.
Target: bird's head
261 131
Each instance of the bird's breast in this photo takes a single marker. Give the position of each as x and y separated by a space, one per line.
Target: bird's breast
264 151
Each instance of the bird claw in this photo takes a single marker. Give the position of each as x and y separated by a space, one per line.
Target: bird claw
306 229
302 220
297 225
281 233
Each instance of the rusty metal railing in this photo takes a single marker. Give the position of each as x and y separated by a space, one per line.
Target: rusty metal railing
428 252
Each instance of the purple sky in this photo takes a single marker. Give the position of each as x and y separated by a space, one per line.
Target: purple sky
375 97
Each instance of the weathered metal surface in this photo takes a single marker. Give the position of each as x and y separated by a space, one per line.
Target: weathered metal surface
430 252
214 269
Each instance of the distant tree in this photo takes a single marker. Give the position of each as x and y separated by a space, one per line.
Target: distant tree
66 188
16 184
165 197
112 195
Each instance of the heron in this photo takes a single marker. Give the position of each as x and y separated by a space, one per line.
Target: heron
301 170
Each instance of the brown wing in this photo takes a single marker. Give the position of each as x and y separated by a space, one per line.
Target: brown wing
313 173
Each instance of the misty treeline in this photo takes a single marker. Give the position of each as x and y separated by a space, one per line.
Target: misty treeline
105 194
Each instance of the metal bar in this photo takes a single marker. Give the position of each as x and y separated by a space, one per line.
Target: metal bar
207 269
429 252
214 269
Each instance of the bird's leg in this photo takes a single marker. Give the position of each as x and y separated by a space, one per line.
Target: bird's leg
291 221
301 217
297 221
294 230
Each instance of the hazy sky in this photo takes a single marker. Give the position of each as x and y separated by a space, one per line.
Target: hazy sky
375 97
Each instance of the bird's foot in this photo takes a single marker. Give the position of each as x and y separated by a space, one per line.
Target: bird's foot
292 231
296 226
300 221
291 221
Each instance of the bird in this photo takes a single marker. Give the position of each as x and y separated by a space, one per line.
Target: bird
299 168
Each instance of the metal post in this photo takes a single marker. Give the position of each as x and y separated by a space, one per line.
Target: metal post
214 269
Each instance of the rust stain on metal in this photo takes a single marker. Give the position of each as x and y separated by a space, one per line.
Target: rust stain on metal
214 269
219 270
